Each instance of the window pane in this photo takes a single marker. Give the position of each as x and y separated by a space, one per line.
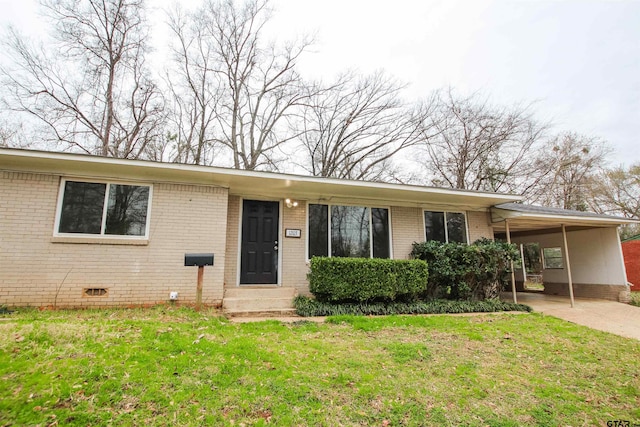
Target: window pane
552 258
456 227
82 206
434 226
318 230
127 210
380 224
350 231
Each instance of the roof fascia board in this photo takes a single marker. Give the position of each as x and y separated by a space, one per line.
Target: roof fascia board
503 214
241 181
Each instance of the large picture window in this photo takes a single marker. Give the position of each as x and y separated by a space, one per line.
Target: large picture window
103 209
445 227
348 231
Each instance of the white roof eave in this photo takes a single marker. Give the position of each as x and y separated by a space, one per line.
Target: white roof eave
500 215
247 183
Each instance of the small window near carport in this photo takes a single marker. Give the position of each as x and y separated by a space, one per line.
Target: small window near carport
552 258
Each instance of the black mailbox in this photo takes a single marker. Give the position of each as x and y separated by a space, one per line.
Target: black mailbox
198 259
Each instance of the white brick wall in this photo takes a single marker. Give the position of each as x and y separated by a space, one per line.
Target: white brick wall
232 246
293 250
479 226
407 226
37 269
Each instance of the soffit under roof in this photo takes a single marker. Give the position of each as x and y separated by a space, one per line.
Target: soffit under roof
249 183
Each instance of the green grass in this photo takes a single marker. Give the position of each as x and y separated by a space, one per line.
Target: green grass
635 299
168 366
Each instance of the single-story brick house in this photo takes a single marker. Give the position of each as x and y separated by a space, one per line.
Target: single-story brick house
631 253
83 231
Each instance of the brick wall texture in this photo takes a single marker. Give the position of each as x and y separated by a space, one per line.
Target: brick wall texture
233 243
37 269
293 250
479 226
631 252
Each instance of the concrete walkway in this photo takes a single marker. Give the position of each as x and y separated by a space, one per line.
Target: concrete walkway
609 316
284 319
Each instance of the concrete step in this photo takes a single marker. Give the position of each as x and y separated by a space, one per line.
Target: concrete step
256 292
241 304
258 301
290 313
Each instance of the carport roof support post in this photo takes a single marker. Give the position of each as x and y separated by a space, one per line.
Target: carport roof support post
524 267
566 255
513 273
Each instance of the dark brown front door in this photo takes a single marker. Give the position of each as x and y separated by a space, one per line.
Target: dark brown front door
259 253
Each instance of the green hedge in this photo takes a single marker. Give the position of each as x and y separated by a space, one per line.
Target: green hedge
366 280
471 272
309 307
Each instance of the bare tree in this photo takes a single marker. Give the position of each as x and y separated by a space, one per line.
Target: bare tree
195 87
572 161
89 86
617 191
470 144
233 90
354 128
12 134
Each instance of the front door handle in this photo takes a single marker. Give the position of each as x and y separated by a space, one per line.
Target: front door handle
275 248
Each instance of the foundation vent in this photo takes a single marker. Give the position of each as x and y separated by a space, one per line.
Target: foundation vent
95 292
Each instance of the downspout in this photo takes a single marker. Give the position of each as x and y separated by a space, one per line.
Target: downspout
513 273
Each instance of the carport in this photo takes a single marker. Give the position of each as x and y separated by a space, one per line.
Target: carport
581 252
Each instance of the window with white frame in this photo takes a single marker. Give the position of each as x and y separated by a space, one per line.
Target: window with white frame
348 231
107 209
445 227
552 258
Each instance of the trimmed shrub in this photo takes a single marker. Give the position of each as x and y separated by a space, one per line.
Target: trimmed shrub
309 307
471 272
366 280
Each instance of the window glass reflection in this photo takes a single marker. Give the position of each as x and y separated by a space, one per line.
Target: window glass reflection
127 210
350 231
82 206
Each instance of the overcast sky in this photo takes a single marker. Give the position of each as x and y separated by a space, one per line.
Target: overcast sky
579 61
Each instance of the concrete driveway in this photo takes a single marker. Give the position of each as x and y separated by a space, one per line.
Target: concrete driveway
609 316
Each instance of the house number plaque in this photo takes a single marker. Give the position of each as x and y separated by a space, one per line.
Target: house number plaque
292 232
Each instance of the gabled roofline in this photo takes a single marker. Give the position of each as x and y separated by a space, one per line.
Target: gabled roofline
242 181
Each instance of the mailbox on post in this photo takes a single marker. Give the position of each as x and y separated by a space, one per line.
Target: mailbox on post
199 260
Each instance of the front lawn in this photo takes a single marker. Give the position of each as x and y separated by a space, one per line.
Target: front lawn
166 366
